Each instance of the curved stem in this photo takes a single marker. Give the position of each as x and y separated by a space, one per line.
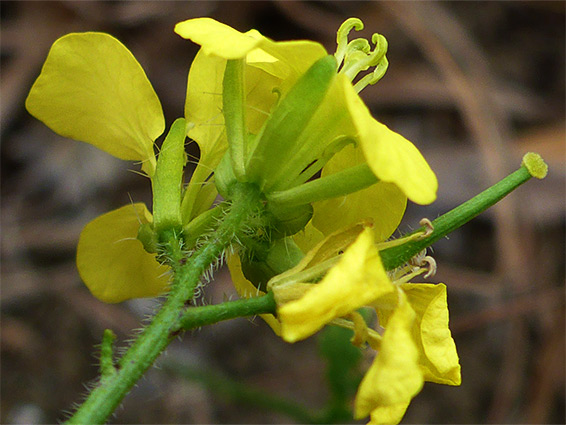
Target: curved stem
109 392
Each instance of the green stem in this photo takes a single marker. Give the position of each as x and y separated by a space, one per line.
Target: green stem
108 394
447 223
338 184
195 317
202 224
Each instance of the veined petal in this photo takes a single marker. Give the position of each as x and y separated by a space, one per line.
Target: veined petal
382 202
391 157
358 278
92 89
112 261
439 359
247 290
203 109
394 378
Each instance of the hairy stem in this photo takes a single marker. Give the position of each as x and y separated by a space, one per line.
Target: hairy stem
187 272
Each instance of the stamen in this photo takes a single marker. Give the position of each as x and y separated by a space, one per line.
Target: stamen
373 337
356 56
342 37
417 236
361 331
429 228
374 77
431 266
421 260
419 264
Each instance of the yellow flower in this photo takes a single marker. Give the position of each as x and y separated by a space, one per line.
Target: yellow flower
269 65
339 135
92 89
416 345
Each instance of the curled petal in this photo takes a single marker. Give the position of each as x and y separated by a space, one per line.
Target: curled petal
357 279
439 359
112 261
92 89
392 158
394 378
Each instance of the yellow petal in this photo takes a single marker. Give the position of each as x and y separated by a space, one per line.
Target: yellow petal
294 59
308 238
392 158
111 260
203 109
394 378
358 278
382 202
92 89
439 358
388 414
217 38
221 40
328 249
247 290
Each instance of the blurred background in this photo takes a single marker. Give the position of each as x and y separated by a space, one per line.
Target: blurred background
474 85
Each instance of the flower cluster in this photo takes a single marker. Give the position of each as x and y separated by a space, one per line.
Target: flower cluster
340 275
286 118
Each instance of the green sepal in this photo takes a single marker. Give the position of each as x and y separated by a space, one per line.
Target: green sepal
224 176
281 131
168 179
233 103
289 220
148 238
273 259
